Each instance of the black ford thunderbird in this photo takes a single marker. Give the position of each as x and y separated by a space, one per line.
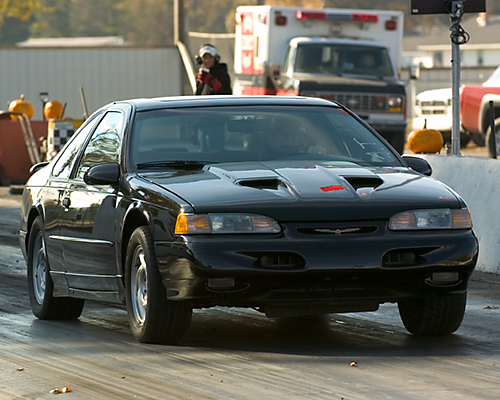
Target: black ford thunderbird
291 206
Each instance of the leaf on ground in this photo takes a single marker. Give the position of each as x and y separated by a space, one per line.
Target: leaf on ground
490 308
65 389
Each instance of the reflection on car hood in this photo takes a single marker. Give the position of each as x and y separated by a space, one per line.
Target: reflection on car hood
336 191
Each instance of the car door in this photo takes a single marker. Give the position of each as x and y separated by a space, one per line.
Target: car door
88 220
53 196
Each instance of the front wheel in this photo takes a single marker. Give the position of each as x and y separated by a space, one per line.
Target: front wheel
396 140
478 139
152 318
489 140
434 315
40 286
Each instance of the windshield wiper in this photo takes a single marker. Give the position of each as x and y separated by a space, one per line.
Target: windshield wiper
179 164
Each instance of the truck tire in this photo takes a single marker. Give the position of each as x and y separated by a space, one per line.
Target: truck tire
435 315
465 138
478 139
497 138
396 140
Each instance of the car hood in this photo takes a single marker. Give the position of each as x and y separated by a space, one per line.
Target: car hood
306 192
349 85
309 79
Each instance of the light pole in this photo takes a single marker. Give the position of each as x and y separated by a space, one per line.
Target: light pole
458 37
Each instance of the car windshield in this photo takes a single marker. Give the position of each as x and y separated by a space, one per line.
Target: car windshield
192 137
343 60
495 77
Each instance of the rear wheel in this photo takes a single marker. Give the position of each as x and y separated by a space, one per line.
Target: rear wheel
152 318
489 139
40 285
435 315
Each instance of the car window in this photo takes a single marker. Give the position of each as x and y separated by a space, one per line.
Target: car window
104 145
254 133
67 156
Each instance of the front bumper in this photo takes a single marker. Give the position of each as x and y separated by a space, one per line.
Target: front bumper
353 271
388 126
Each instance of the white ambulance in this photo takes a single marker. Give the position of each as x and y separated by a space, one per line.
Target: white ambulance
349 56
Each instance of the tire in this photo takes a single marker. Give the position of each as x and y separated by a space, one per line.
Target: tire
465 138
152 318
436 315
40 286
396 140
478 139
497 139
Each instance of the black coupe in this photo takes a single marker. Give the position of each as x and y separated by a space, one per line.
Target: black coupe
292 206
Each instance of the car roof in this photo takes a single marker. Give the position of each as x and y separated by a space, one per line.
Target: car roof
229 100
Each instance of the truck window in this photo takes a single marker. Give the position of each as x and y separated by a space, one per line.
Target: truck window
319 58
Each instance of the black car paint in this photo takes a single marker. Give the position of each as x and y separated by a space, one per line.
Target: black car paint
331 268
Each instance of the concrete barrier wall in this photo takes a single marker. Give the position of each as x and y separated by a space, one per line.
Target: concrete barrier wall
477 180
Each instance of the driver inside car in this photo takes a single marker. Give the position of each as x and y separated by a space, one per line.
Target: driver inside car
288 136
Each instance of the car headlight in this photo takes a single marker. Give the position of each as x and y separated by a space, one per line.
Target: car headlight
395 103
431 219
192 224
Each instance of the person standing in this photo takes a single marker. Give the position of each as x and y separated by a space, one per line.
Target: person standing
213 77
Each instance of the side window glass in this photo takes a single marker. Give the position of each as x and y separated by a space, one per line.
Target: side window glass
104 145
64 164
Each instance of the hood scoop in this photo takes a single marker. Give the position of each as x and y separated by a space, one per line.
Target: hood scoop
261 183
364 183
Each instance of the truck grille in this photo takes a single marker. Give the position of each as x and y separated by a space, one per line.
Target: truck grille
367 102
434 107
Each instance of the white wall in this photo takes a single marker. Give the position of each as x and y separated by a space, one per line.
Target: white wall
106 74
477 181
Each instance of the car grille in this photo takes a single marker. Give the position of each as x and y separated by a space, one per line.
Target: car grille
276 260
347 230
406 257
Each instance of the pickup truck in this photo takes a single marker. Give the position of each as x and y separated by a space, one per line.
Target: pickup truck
433 108
475 109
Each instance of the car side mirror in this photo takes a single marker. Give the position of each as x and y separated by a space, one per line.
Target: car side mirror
418 164
103 174
38 166
414 72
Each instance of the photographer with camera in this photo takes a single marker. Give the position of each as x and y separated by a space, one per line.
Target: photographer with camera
212 77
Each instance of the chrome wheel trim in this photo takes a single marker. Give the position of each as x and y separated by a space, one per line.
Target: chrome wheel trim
138 285
39 265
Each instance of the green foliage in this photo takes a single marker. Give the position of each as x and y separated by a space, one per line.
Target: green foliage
150 22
